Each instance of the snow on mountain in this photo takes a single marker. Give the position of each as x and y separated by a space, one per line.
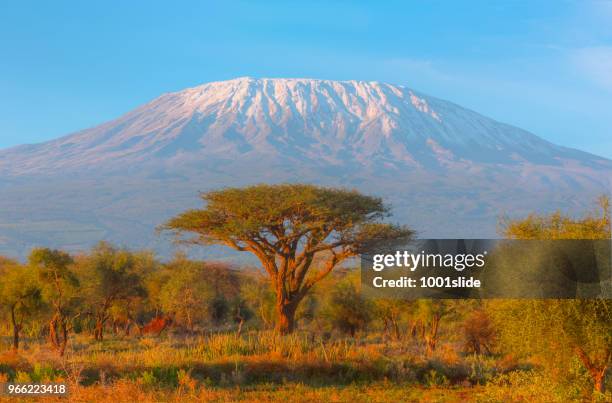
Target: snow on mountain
333 122
445 168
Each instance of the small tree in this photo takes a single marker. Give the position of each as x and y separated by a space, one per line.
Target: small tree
430 313
561 329
108 277
259 295
59 287
479 332
346 309
188 294
136 308
288 228
196 292
20 296
392 313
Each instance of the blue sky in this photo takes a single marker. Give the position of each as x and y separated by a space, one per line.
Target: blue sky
545 66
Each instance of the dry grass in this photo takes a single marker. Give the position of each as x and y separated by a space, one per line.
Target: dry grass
262 366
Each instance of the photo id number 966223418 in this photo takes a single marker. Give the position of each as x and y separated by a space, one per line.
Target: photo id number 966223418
33 389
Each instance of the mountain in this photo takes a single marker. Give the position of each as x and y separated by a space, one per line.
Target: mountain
448 171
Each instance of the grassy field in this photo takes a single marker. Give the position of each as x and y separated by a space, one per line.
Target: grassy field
262 366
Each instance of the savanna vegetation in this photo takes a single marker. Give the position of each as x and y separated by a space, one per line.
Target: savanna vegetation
121 325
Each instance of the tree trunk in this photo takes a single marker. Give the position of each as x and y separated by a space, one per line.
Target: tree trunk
189 322
264 318
432 338
286 317
396 330
414 328
99 331
58 342
239 332
64 329
53 338
16 330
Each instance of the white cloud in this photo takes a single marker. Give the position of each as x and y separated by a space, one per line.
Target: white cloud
595 63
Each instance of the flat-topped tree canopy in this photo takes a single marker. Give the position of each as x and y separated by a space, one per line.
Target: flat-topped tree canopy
286 226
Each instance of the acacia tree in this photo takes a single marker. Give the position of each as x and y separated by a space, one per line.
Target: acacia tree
299 233
59 287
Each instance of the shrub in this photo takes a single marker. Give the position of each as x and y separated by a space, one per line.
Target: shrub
479 333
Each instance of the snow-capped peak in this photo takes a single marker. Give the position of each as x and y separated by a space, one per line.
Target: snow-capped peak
323 121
